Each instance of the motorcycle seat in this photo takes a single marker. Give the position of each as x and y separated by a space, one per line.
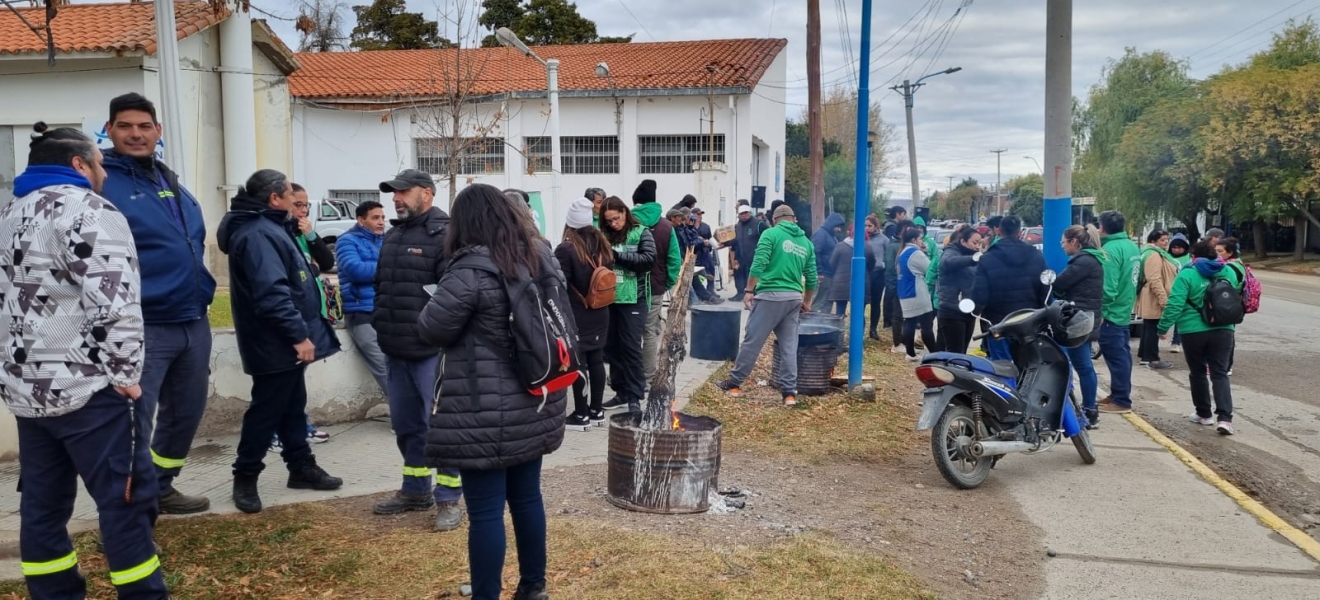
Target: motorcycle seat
998 368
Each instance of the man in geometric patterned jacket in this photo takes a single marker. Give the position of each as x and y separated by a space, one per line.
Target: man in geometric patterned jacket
70 362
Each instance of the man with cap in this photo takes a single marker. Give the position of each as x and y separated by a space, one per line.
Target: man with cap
688 239
742 248
780 286
706 257
412 257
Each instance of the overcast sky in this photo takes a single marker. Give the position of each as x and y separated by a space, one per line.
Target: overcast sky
995 102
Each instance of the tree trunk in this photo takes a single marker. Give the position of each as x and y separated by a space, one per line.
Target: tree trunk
673 349
1258 239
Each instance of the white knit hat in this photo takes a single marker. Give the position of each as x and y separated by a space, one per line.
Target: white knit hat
579 213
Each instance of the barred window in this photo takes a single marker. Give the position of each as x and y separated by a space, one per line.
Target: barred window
580 155
676 153
475 156
355 197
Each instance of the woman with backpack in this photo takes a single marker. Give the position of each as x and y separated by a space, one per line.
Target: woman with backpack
1228 253
587 261
1158 270
486 423
1082 283
1206 344
634 253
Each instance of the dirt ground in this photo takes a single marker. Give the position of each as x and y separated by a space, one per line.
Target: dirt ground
903 512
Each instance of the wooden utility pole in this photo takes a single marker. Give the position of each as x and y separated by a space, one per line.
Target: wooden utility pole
817 151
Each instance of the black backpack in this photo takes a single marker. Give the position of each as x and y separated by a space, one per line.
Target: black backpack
545 352
1222 304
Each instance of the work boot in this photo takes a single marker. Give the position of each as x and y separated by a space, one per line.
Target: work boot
246 498
173 502
311 476
448 516
402 502
531 591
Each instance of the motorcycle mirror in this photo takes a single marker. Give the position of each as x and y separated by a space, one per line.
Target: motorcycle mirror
1048 276
966 305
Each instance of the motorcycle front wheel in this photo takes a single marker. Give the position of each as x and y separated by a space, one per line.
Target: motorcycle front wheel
1083 438
950 443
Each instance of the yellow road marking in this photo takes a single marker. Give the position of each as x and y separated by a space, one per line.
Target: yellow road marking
1304 542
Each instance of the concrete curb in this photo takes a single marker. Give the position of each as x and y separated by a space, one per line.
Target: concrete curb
1304 542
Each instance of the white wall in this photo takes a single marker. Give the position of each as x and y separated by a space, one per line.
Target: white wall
203 134
274 115
342 149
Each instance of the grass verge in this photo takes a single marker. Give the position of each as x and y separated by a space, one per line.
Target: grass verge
320 550
220 314
824 428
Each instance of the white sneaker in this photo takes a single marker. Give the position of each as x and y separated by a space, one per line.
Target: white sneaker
899 350
913 358
1176 348
1224 427
1201 420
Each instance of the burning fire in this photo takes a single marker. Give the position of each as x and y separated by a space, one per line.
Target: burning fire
676 425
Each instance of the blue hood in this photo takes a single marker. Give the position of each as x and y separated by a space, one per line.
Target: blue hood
832 221
36 177
1208 269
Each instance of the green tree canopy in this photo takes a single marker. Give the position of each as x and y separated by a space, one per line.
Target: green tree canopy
541 23
1028 195
387 25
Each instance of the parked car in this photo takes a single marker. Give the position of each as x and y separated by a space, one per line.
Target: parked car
1034 236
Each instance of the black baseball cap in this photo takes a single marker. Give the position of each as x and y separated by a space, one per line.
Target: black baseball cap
407 180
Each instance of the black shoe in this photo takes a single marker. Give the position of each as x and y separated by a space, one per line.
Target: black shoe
246 498
312 477
614 403
531 591
1092 419
578 422
597 417
873 335
401 503
173 502
730 387
635 407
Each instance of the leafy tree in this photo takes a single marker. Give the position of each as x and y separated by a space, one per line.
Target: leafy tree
541 22
387 25
1028 195
1296 46
957 203
1130 86
1158 167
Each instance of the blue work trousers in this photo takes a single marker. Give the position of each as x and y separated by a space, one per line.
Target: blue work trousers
411 392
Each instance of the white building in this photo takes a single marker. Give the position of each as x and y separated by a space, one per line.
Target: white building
105 50
360 117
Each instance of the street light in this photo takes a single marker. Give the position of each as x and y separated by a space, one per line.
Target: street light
1033 159
908 89
509 39
603 70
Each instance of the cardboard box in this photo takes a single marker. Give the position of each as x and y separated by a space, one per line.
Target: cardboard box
725 234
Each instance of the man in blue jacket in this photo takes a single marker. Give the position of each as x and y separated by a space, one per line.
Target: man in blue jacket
825 239
357 252
177 290
280 330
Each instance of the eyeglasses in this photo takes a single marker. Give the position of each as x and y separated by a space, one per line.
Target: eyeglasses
301 205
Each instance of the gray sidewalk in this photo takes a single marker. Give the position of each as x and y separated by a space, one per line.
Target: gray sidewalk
363 454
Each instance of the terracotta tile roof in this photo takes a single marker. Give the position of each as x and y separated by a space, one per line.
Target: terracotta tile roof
120 27
395 74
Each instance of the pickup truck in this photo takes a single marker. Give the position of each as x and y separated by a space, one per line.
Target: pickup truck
333 217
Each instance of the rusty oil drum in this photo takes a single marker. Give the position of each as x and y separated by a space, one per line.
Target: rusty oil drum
663 471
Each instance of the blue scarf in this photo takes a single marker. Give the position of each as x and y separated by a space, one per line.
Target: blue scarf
36 177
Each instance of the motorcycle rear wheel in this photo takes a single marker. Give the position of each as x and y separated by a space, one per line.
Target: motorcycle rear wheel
950 444
1083 438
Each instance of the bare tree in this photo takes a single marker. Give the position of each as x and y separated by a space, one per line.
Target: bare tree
839 123
454 129
321 23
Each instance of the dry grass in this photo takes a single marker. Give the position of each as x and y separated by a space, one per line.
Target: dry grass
825 428
322 551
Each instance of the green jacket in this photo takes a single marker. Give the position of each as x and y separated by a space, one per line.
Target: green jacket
626 288
933 271
1122 264
785 257
301 240
649 215
1188 295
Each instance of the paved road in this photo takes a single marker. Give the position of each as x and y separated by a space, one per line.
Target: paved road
1276 391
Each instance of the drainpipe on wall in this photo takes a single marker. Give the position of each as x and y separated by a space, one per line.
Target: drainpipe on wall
237 98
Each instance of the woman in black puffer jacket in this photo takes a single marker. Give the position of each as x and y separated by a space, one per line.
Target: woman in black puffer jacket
583 250
957 275
1082 283
485 423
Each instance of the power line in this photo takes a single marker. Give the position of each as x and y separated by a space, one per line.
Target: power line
1243 30
1237 47
638 21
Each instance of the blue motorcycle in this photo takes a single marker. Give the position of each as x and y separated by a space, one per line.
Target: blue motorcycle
979 410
